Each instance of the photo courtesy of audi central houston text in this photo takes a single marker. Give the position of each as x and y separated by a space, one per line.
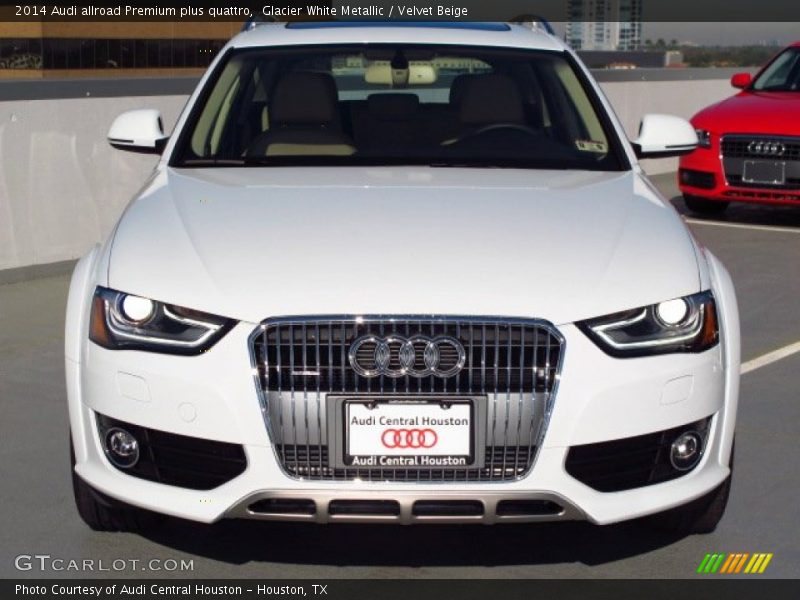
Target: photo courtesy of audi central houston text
402 273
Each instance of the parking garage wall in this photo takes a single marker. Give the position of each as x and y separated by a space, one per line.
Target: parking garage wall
62 188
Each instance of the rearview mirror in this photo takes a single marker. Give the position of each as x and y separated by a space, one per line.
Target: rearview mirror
138 131
419 73
741 80
661 136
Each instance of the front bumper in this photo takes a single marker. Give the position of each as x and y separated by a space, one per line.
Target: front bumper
213 397
701 174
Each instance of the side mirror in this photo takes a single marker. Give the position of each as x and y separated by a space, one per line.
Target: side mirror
661 136
741 80
138 131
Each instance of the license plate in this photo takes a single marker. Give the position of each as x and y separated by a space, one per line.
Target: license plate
409 434
764 171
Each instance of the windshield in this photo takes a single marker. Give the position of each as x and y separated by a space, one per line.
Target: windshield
398 104
782 74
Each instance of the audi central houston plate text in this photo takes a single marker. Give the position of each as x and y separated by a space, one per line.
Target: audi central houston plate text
401 273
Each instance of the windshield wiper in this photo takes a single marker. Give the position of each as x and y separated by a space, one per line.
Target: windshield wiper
226 162
211 162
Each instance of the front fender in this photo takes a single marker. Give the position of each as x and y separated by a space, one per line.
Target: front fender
730 338
76 327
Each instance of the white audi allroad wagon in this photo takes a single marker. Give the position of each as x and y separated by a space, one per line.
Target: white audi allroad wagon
401 274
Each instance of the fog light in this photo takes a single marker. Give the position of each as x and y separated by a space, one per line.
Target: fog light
122 448
686 451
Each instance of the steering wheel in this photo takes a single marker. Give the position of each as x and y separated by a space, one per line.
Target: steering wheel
498 127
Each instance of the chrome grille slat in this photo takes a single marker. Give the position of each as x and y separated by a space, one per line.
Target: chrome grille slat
519 407
532 425
318 399
496 389
280 375
516 357
343 331
291 379
305 395
509 334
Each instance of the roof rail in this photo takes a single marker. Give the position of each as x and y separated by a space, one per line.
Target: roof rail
257 20
534 22
526 20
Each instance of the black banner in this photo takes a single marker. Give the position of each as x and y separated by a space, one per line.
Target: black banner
399 10
348 589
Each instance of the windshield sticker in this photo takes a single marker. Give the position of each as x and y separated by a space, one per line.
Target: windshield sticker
591 146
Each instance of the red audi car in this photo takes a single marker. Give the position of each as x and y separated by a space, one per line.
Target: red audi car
750 143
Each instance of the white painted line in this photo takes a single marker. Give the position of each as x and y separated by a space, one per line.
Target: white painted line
770 357
743 226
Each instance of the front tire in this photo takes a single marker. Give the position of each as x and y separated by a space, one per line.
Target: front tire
104 514
705 207
699 516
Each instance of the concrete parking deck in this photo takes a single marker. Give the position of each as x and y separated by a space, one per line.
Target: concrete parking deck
761 248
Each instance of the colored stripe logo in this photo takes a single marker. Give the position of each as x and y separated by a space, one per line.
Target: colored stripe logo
734 563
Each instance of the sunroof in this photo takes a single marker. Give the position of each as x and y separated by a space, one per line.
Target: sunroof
479 26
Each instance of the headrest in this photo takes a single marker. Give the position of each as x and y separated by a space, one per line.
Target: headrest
304 98
390 106
459 87
492 98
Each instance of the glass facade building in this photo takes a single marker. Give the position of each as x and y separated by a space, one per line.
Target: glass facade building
106 49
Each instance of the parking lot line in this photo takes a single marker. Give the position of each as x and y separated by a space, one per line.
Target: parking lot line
770 357
743 226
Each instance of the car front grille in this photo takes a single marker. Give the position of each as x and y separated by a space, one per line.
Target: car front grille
500 463
738 149
303 366
738 146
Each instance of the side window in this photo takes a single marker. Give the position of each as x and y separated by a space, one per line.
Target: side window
248 113
575 120
208 132
222 117
590 125
780 74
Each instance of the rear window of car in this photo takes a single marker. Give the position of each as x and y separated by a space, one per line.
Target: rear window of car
398 104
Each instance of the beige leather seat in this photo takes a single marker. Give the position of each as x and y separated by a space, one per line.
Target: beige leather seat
304 119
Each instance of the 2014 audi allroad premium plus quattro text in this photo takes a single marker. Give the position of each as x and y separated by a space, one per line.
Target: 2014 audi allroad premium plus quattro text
401 274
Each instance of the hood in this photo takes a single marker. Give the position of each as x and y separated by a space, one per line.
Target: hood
753 112
252 243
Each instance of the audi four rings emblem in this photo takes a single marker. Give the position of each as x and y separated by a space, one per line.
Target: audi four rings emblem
409 438
397 356
766 148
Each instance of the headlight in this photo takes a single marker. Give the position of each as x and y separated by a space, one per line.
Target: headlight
123 321
687 324
703 138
